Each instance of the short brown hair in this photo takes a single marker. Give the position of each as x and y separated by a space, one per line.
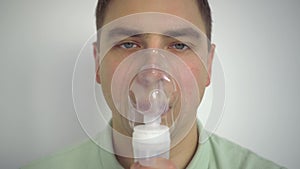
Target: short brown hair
203 6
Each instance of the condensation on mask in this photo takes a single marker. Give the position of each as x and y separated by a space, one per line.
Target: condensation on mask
153 89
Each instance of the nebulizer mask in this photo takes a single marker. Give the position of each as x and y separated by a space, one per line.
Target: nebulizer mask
155 91
152 98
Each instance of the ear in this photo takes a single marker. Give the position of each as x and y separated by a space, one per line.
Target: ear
209 62
97 64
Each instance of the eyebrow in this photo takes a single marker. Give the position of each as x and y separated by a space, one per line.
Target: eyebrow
123 32
183 32
187 32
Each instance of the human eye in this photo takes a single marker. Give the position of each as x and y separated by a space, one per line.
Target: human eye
128 45
179 46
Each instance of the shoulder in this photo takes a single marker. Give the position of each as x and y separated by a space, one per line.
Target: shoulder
80 156
226 154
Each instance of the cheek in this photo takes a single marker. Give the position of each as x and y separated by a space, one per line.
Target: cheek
107 68
200 73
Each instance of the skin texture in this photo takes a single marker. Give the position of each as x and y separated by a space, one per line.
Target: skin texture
183 152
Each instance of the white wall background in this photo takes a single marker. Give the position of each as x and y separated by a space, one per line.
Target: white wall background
257 42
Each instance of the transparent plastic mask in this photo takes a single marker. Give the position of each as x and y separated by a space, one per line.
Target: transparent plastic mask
154 87
149 85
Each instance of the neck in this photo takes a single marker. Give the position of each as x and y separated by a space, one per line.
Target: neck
180 155
184 151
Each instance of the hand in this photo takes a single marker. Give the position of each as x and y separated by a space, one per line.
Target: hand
160 163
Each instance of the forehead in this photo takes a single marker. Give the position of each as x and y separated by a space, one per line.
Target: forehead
186 9
160 23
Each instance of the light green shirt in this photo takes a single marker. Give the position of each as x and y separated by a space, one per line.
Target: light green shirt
215 153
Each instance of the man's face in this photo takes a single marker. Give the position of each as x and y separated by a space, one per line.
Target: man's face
187 9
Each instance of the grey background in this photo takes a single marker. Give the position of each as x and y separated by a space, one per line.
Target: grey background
257 42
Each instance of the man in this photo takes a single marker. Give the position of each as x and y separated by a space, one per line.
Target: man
188 153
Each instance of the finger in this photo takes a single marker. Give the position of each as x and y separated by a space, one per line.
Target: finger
134 166
158 163
162 163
